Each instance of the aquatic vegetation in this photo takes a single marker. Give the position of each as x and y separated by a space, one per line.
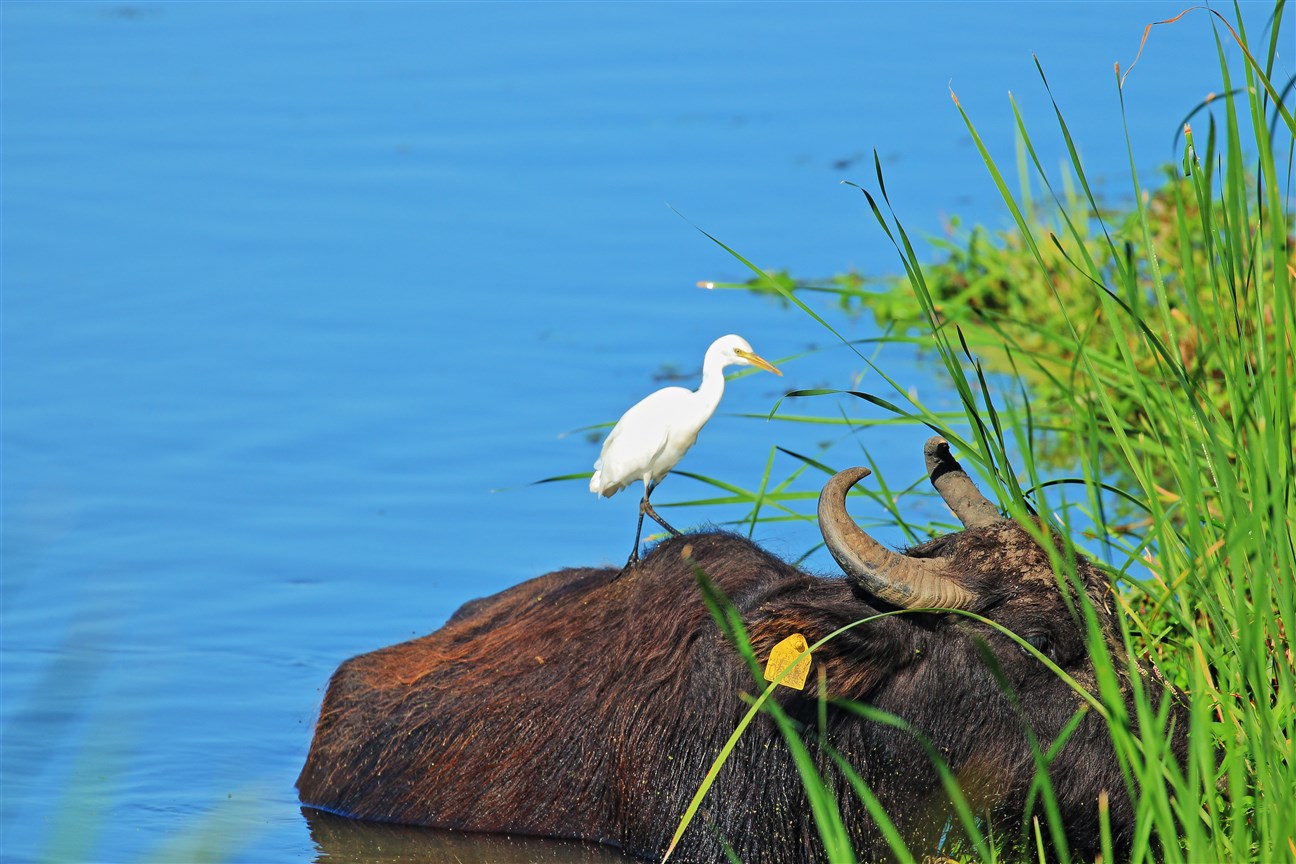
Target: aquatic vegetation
1130 373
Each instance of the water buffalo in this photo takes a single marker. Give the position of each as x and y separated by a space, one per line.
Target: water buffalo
590 702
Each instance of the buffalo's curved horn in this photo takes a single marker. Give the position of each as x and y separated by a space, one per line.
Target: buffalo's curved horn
972 508
910 583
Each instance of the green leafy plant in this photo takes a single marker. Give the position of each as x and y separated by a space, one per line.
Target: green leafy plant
1153 359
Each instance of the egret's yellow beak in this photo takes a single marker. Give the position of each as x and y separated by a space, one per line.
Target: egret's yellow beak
756 360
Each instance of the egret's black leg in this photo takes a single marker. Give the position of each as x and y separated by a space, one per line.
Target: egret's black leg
645 507
634 553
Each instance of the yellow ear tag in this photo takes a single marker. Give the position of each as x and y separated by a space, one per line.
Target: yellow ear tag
784 655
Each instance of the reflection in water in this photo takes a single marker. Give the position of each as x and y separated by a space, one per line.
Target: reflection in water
339 840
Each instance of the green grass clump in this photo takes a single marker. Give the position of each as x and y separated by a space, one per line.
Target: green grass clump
1017 311
1152 355
1029 305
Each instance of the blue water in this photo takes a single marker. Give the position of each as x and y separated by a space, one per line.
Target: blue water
299 300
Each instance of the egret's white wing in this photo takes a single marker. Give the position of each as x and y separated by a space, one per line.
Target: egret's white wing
634 448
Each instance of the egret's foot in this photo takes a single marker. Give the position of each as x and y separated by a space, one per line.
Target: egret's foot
629 565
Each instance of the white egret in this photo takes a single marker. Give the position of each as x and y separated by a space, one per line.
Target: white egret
656 432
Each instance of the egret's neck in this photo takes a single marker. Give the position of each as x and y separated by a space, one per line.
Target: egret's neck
712 381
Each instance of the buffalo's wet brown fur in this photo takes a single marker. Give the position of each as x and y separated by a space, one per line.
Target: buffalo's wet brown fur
583 705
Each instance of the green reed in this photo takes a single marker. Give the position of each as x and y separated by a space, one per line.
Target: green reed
1148 357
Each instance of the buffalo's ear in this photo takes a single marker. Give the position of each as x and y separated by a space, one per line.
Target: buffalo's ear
855 662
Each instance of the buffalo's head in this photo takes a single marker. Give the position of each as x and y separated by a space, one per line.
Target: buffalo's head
993 709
